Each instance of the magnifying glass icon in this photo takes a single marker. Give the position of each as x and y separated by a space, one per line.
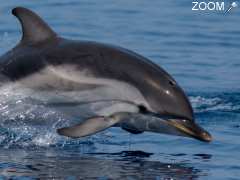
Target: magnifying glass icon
233 5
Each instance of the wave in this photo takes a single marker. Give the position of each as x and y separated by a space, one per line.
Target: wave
225 103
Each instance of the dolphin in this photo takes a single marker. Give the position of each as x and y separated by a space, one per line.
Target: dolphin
69 72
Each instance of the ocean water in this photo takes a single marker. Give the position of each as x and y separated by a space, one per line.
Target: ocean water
199 49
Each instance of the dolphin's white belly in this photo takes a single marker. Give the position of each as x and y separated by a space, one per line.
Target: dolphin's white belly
66 88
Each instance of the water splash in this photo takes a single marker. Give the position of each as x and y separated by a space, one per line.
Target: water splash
26 123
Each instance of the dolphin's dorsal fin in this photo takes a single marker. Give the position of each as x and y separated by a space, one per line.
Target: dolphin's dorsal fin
34 29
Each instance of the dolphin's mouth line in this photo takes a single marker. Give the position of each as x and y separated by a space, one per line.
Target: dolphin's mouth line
185 126
180 127
193 130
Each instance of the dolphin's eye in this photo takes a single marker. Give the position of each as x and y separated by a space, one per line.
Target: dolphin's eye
171 83
142 108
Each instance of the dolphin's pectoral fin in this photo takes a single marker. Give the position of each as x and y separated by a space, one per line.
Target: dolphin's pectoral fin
88 127
92 125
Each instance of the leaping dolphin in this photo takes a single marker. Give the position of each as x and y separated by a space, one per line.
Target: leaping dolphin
62 69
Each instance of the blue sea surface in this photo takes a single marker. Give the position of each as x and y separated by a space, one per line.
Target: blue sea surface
200 49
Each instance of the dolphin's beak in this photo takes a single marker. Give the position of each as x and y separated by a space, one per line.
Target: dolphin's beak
190 129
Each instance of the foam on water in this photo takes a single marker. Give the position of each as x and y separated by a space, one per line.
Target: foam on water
206 104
